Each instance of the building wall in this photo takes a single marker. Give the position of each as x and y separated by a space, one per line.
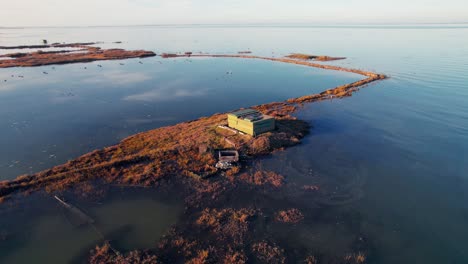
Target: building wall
251 128
241 125
264 126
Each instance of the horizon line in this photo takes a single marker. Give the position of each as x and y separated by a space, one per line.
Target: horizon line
309 24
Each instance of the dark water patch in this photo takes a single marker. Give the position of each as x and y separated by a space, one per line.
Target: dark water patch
41 228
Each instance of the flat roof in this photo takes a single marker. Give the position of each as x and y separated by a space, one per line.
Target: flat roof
244 112
264 117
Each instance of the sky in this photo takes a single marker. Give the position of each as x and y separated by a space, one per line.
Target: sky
149 12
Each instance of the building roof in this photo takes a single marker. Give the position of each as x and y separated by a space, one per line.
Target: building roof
251 115
244 112
260 119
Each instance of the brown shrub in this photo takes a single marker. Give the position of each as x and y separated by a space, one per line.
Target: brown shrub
289 216
260 178
311 260
181 246
105 254
268 253
235 257
227 223
202 257
301 56
357 258
233 171
87 190
260 145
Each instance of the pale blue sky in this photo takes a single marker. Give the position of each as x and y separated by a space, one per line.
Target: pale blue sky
137 12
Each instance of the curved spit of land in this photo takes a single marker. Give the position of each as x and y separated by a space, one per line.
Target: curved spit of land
340 91
78 52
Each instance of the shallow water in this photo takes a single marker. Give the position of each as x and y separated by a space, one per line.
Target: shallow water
40 229
398 149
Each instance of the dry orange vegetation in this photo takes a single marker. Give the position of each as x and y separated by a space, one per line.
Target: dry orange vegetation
104 254
262 178
293 215
145 158
358 258
301 56
227 235
215 236
268 253
235 257
85 53
228 224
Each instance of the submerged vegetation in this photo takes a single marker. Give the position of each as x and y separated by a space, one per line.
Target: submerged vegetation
105 254
268 253
262 178
293 215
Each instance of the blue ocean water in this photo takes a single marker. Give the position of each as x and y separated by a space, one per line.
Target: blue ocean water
400 146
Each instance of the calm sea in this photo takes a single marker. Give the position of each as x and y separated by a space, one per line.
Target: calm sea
398 149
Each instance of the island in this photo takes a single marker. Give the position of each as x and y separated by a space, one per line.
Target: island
76 52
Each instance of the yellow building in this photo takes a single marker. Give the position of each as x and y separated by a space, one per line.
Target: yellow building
251 122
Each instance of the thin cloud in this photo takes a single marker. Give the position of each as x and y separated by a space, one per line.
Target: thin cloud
118 78
135 12
171 91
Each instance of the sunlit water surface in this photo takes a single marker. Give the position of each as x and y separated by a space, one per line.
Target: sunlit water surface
398 148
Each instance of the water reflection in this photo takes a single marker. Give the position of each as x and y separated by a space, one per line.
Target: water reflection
116 77
169 91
